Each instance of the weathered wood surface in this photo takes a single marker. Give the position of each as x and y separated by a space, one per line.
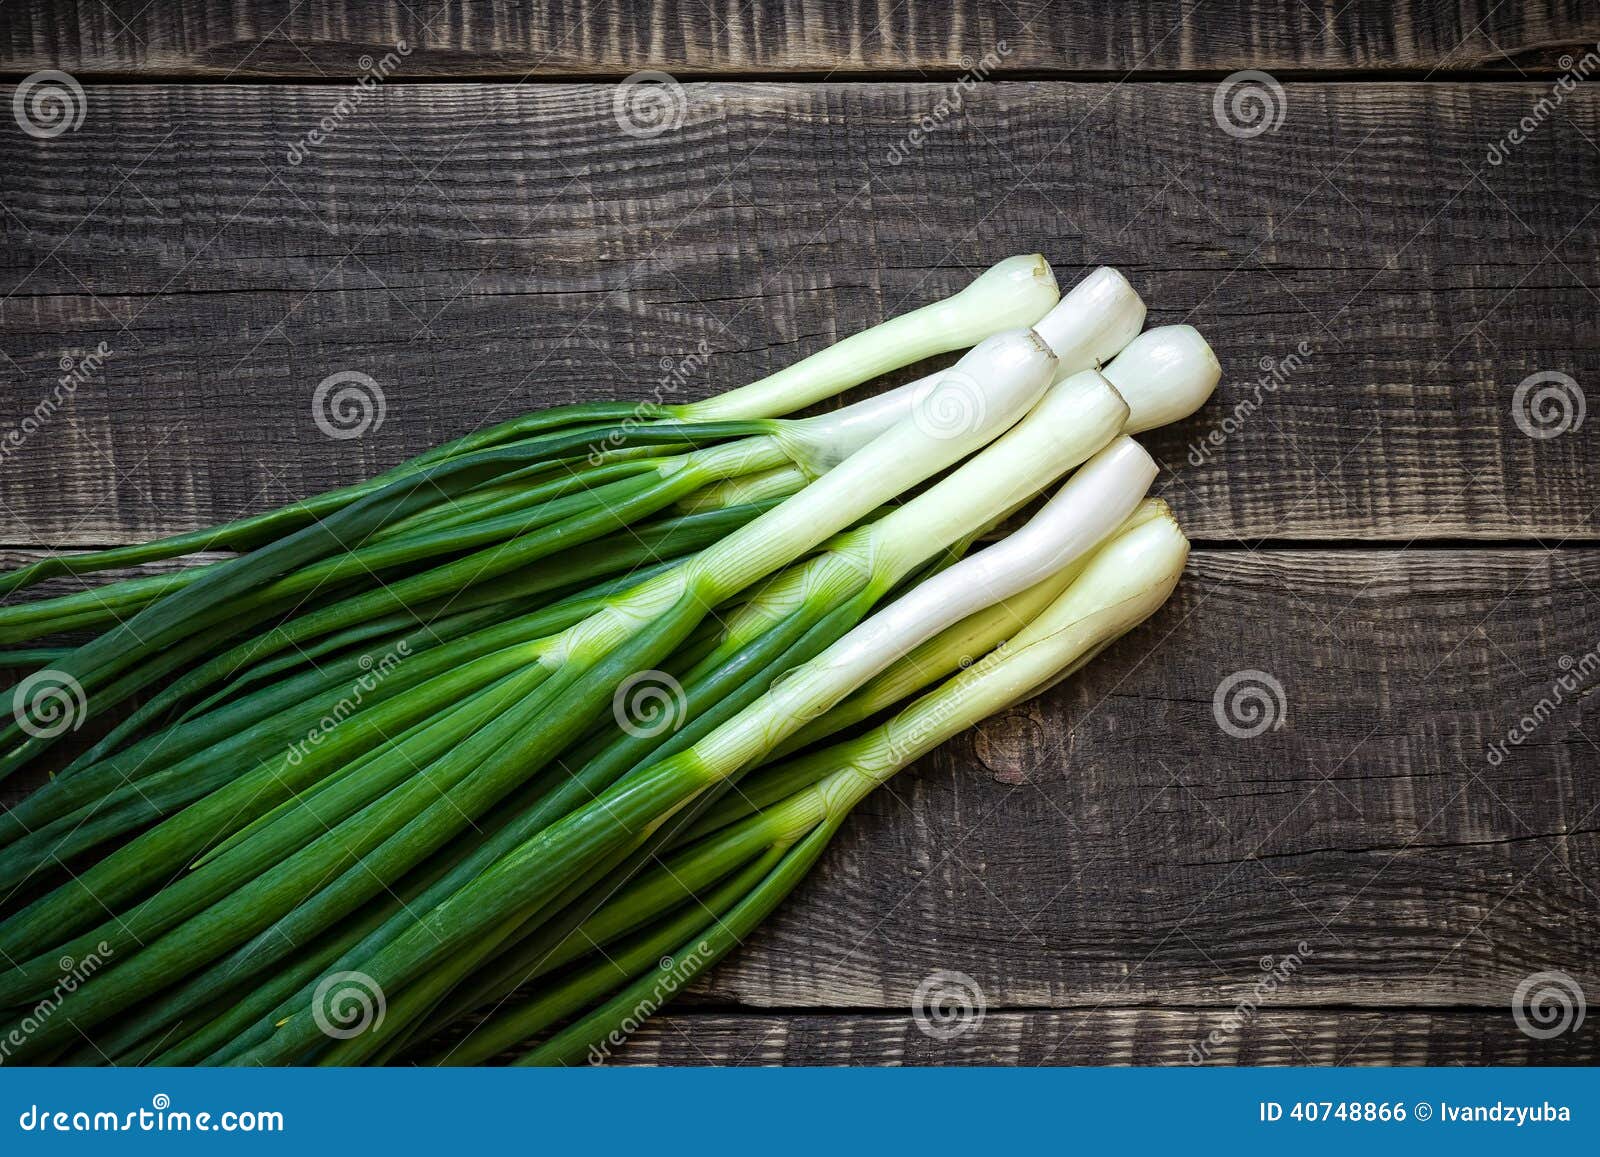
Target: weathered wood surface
1111 847
479 250
513 38
1102 1037
1110 844
1109 865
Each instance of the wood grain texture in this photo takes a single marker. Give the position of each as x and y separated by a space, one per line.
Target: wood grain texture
1108 864
1103 1037
1111 847
1110 844
480 250
212 38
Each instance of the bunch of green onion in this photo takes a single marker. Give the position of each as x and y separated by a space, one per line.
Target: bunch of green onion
391 756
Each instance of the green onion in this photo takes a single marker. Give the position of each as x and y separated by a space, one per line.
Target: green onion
531 704
1017 291
1121 585
396 737
529 878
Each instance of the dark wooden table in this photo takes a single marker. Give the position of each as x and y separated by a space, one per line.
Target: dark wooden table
1377 533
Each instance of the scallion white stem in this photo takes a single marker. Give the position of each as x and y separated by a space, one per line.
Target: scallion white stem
1096 318
1014 369
1165 374
1014 293
1091 505
1122 585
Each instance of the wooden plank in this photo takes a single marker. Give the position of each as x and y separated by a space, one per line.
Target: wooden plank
511 38
479 250
1104 1037
1112 845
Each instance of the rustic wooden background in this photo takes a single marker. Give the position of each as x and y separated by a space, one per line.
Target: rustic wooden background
1381 537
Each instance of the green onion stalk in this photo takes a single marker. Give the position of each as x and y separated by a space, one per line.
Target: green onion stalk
631 955
811 605
530 878
471 731
1074 404
1064 410
415 770
1015 292
214 603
